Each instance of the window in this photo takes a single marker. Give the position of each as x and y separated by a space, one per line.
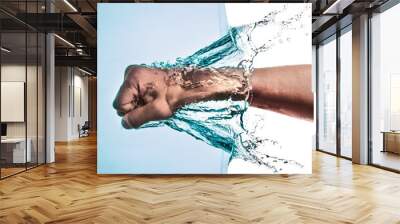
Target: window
22 89
346 92
327 96
385 89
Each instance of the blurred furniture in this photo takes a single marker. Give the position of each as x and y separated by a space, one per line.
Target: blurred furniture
391 141
13 150
84 130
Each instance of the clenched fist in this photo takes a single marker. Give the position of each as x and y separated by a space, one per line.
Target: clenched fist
151 94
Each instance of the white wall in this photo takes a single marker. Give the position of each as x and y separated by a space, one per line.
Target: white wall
61 103
70 84
16 73
79 117
33 127
12 73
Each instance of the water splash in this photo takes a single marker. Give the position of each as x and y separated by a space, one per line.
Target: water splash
220 123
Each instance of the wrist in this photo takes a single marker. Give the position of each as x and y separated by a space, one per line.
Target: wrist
189 85
175 92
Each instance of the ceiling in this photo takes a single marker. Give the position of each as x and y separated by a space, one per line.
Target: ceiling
75 23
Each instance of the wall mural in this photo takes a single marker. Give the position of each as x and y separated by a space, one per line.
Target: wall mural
204 88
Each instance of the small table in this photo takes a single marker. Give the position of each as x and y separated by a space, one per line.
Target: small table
391 141
17 150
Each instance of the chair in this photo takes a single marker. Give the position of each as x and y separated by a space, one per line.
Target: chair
84 130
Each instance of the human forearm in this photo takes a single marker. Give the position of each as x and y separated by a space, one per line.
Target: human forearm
284 89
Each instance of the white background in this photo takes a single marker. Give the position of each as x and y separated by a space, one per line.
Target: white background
294 135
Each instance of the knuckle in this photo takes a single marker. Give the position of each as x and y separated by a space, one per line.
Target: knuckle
131 70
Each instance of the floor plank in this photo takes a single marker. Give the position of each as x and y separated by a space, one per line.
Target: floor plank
70 191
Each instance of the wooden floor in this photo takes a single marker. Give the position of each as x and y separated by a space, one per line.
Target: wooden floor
5 172
70 191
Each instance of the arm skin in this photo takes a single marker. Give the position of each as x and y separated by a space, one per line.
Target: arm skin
148 95
285 89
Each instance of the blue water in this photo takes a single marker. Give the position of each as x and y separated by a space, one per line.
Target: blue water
220 123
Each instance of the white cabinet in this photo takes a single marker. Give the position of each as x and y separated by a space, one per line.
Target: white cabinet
17 148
